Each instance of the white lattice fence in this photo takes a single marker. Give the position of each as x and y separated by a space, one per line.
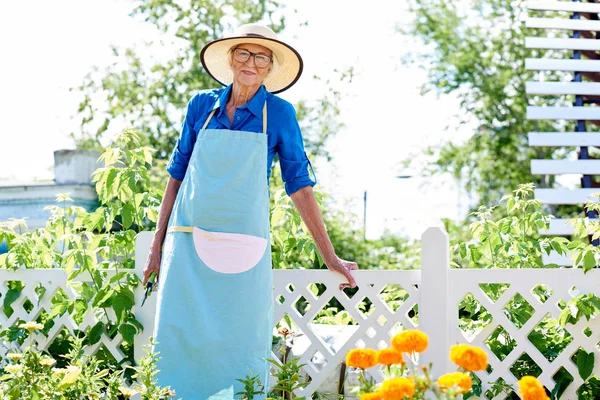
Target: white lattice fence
385 302
387 314
41 286
538 292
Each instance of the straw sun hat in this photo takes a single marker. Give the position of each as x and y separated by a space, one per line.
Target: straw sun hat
287 63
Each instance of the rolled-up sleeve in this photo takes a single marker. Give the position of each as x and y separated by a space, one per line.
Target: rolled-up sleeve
292 156
180 158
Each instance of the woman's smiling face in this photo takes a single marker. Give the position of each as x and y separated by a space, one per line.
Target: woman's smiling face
247 73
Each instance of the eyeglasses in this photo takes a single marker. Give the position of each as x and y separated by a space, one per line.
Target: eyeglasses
260 60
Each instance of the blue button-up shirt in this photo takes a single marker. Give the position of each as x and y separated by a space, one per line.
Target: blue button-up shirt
283 133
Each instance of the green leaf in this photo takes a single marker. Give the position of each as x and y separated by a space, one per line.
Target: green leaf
121 304
59 309
136 323
97 277
118 276
476 254
462 248
589 261
554 393
288 321
11 296
585 364
127 214
103 296
110 156
558 247
95 333
128 332
109 186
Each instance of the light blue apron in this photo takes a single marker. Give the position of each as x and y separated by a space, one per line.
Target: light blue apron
215 296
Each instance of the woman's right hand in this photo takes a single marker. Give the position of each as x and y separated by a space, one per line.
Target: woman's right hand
152 265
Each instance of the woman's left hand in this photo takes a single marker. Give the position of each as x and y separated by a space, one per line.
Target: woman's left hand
344 268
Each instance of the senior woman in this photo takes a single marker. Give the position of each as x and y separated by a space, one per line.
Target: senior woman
214 318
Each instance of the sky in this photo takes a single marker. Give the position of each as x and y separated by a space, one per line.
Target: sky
48 47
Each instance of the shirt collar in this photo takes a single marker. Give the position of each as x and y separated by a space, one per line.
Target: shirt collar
255 105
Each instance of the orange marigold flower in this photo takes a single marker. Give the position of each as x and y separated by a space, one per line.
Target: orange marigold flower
397 389
372 396
361 358
469 357
389 356
410 341
459 380
531 389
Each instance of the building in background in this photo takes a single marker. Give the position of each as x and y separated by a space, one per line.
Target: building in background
72 174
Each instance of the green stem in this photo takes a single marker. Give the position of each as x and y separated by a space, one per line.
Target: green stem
64 227
487 230
96 286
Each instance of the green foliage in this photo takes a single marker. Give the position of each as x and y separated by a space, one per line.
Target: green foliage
477 53
585 364
589 390
508 238
292 246
86 245
31 375
252 387
288 372
145 377
151 94
586 305
512 241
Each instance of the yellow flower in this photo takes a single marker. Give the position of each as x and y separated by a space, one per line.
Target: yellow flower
47 362
127 392
410 341
361 358
397 389
14 356
469 357
59 371
458 380
31 326
12 368
531 389
71 374
371 396
389 356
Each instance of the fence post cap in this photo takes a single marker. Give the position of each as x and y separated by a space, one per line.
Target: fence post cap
435 231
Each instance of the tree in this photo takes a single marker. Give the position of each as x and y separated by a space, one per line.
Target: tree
150 94
479 55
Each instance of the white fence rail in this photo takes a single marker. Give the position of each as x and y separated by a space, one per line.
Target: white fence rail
429 299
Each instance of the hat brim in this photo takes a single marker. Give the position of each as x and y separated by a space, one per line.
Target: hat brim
214 58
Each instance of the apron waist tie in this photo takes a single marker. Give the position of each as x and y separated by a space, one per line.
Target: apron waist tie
188 229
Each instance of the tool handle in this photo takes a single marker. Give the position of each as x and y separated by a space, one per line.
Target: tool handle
151 280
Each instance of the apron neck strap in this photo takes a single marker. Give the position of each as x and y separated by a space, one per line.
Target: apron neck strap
264 113
208 119
265 118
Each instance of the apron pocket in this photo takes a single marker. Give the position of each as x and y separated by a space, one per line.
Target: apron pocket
228 253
